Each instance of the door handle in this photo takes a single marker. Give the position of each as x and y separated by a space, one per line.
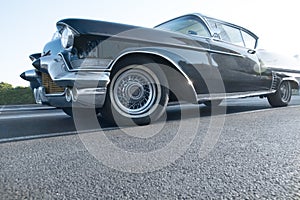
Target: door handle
251 51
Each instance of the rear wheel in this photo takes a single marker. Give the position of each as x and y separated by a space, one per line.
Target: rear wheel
282 96
138 93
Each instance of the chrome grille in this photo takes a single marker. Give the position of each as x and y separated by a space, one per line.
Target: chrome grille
50 86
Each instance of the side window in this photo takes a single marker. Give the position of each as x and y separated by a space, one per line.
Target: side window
186 25
250 41
231 34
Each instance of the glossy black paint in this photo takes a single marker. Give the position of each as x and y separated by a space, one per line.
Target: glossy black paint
206 65
238 68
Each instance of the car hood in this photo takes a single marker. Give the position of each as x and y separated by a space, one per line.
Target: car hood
94 27
102 28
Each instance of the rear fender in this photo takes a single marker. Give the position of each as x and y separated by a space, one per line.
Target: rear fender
291 77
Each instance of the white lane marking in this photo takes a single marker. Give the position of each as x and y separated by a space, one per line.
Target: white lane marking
48 135
33 108
24 116
40 136
262 110
30 137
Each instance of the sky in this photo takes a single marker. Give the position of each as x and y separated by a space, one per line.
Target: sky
26 26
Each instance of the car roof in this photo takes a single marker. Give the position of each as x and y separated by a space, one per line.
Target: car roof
204 18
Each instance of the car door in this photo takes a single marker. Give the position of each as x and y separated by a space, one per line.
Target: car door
196 62
237 63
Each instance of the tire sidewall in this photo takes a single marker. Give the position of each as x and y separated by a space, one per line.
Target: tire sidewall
276 99
160 83
286 101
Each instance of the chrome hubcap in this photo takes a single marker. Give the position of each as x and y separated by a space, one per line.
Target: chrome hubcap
134 92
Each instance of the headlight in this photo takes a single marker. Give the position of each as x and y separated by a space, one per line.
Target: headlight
67 38
56 36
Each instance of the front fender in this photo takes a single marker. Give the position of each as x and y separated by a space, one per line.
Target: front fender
174 60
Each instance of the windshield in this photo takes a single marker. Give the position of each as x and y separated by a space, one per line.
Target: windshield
187 25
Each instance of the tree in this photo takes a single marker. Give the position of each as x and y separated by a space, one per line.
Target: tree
5 86
18 95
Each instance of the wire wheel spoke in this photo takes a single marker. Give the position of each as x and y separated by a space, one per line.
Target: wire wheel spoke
134 91
285 91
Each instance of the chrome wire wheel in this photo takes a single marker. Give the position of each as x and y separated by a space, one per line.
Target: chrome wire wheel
134 92
137 94
285 91
282 96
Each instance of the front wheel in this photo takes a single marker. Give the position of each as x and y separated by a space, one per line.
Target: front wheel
282 96
138 93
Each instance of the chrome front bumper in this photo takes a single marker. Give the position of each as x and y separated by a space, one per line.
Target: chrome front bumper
87 97
78 89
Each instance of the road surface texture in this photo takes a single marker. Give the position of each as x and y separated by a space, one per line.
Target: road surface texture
253 152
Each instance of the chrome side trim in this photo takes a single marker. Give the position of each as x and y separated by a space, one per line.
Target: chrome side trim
226 53
210 97
92 91
162 56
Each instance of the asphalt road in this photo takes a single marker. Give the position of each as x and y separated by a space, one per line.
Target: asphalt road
250 152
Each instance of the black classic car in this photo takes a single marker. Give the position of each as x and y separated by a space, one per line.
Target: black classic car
128 73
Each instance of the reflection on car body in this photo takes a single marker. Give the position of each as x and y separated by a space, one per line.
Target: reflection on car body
130 73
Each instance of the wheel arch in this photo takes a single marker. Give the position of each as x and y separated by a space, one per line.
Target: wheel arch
173 78
294 82
279 77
